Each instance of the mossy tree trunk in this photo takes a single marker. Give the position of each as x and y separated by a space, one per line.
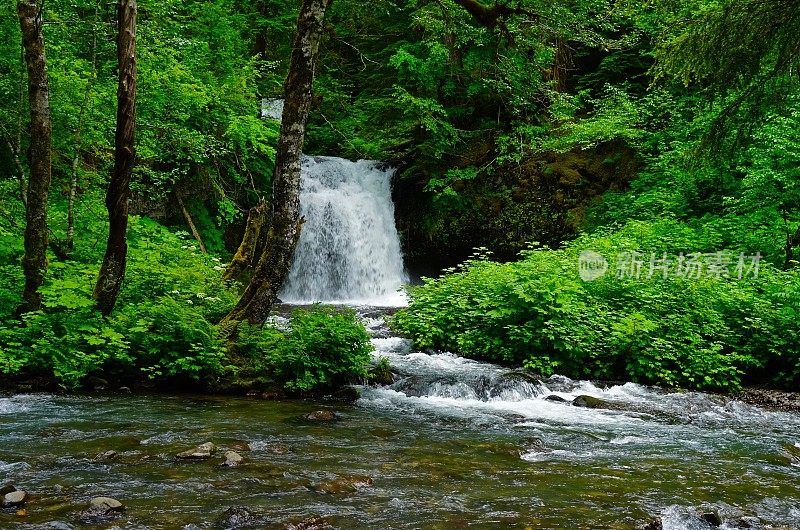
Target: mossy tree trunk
34 263
284 228
112 271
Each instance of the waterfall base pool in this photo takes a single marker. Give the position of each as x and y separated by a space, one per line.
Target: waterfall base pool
451 444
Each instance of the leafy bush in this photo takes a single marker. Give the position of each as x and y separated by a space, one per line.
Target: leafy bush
704 333
161 326
321 348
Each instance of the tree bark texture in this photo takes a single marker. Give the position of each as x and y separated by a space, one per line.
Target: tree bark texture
285 223
243 258
34 263
112 271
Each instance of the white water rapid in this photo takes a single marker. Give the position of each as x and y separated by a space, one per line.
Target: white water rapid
349 250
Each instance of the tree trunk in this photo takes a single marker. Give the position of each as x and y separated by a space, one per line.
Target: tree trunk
243 258
284 229
792 242
112 272
34 263
189 222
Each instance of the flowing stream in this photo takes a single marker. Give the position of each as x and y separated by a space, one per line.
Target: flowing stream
450 444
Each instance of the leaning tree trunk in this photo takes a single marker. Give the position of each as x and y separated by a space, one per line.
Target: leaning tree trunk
34 263
112 272
284 229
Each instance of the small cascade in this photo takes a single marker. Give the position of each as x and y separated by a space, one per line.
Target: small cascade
349 249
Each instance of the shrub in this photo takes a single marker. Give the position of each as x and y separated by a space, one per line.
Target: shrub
322 348
705 333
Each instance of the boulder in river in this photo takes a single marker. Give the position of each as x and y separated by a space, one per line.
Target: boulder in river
591 402
321 415
101 509
15 498
201 452
555 398
711 518
232 459
106 505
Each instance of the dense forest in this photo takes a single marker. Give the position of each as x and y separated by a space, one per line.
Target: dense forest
399 264
661 137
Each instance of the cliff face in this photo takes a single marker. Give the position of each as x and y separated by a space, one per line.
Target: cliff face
542 199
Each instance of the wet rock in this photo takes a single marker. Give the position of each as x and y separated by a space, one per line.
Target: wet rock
101 509
232 459
381 374
273 395
237 516
15 498
124 390
348 394
321 415
771 399
279 449
106 455
106 505
7 488
655 524
201 452
591 402
555 398
711 518
344 484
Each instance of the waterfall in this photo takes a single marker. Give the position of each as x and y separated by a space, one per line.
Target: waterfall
349 250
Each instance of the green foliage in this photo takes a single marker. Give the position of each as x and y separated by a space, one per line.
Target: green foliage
321 348
161 328
703 333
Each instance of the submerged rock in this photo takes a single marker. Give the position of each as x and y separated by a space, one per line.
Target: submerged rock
7 488
312 523
344 484
201 452
237 516
15 498
106 455
655 524
59 525
321 415
232 459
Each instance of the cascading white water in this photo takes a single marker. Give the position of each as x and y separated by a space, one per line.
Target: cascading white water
349 250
